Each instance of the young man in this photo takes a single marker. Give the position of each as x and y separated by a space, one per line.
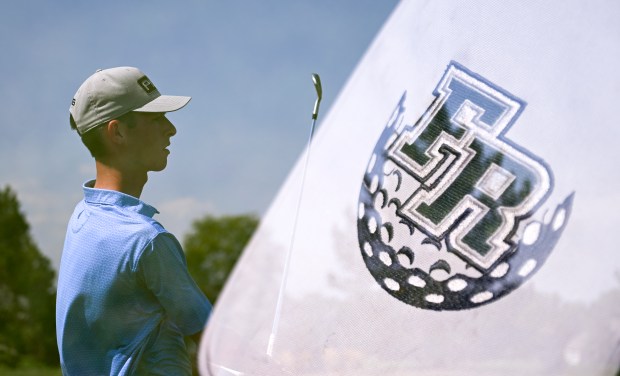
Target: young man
125 298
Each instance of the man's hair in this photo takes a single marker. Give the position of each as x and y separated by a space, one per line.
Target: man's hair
93 139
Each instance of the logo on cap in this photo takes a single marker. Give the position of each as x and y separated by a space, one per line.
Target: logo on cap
447 205
147 85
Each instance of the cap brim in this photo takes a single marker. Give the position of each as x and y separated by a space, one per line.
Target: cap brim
165 103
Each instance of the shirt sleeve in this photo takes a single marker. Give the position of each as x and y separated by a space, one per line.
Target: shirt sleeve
164 270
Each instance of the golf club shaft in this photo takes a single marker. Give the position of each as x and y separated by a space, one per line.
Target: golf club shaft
276 319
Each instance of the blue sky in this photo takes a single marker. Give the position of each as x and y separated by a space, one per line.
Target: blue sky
247 66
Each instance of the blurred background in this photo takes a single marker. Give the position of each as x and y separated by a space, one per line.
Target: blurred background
247 66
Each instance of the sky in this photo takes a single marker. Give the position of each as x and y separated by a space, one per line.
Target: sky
247 66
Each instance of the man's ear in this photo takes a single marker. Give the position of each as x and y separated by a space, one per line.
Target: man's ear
114 133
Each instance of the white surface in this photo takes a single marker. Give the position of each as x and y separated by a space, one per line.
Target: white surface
336 320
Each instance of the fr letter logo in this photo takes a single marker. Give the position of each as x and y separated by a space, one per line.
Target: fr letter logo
474 185
447 216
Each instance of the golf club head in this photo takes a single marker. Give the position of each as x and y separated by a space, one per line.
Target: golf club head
319 93
317 85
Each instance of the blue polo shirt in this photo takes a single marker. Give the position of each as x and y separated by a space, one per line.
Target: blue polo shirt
125 298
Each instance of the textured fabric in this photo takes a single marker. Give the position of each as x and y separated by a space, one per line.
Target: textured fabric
125 298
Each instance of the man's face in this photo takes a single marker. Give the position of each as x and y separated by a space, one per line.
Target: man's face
148 140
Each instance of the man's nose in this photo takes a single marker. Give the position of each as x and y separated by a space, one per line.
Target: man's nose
171 129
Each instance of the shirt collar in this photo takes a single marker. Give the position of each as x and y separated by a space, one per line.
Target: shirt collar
108 197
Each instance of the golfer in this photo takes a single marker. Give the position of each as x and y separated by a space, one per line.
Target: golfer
125 298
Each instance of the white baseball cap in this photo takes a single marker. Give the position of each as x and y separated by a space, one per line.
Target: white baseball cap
110 93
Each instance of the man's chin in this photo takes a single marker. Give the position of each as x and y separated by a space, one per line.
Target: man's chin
159 167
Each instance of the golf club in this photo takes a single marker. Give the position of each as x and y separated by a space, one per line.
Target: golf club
315 113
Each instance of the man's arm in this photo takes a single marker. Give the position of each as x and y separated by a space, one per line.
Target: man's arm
165 273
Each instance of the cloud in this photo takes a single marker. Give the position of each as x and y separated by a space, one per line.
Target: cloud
177 214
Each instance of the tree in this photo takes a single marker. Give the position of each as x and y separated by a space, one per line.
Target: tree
27 293
213 247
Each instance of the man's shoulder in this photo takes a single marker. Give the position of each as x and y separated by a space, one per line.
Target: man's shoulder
138 220
115 222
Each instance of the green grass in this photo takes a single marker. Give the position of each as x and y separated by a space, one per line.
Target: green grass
29 367
30 371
